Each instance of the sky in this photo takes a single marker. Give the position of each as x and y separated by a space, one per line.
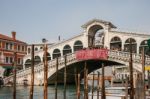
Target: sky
37 19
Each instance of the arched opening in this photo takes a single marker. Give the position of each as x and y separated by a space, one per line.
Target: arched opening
133 44
115 44
27 63
56 53
36 49
78 46
96 36
66 49
29 50
37 60
48 56
145 46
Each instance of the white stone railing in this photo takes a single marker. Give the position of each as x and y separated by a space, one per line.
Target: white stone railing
113 55
40 67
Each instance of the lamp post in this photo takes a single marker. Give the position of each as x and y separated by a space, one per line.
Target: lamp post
45 69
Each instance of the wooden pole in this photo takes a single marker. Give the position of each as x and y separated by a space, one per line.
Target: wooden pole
98 85
148 79
14 75
103 83
45 73
85 81
86 84
78 88
65 77
93 85
126 86
32 73
143 71
56 78
76 81
131 73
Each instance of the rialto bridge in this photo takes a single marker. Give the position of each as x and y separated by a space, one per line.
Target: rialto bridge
96 33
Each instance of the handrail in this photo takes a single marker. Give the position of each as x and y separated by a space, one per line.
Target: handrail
115 55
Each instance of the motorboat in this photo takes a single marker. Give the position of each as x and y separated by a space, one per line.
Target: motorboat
112 93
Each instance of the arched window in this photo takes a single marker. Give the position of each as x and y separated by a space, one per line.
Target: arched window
48 56
133 44
145 46
29 50
27 63
66 49
36 49
78 46
37 60
56 53
115 43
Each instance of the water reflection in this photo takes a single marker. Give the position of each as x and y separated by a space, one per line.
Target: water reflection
23 92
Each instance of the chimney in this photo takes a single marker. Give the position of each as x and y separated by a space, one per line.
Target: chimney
13 35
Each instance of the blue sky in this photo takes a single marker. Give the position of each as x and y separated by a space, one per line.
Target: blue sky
37 19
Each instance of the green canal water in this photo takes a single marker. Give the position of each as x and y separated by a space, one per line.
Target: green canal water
23 92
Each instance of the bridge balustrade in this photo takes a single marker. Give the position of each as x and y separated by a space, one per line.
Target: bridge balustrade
115 55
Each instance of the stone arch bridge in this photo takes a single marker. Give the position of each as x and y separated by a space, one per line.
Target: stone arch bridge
115 58
97 33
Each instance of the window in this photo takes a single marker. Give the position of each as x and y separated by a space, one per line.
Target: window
11 60
18 47
22 48
11 46
29 50
7 60
7 46
36 49
19 61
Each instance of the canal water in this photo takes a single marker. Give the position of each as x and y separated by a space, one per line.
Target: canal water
23 92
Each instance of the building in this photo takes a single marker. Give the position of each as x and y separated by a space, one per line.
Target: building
9 45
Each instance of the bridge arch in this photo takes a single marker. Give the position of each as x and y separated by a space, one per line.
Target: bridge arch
56 53
78 45
37 60
146 48
48 56
92 65
96 35
28 63
127 45
67 49
116 43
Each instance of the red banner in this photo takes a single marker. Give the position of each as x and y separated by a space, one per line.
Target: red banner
92 54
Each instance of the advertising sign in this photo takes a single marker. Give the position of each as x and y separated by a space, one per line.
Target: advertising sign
92 54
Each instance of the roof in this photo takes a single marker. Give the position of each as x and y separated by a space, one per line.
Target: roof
100 21
5 37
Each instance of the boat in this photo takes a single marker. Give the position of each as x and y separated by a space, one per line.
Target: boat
112 93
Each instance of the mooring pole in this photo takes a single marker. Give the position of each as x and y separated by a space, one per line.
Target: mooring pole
14 75
103 83
85 81
65 77
143 71
78 88
148 79
131 73
32 74
56 78
93 85
45 73
98 85
76 81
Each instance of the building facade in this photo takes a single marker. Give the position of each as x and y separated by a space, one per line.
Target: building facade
9 45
